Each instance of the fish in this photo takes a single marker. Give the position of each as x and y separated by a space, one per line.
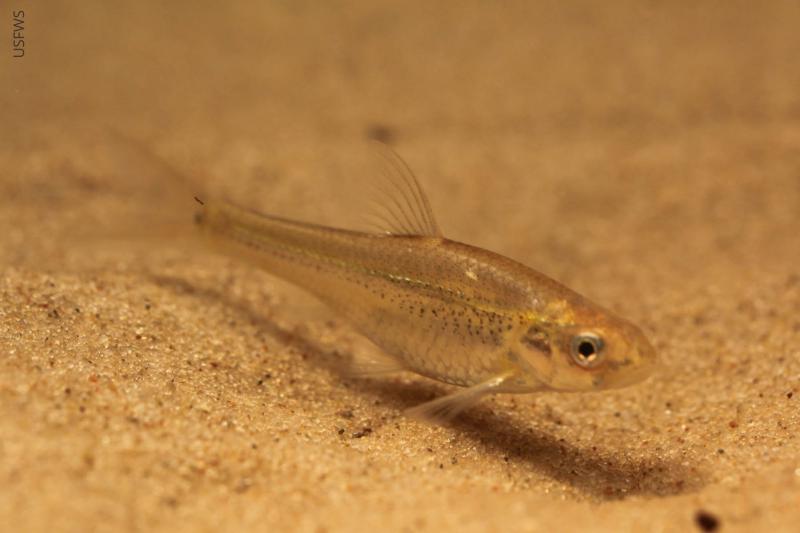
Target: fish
442 309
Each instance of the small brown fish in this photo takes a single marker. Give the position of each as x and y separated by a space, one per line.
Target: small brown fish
446 310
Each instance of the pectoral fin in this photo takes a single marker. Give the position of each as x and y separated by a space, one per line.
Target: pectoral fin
446 408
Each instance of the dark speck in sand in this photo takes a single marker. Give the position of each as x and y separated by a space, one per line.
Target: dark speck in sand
706 521
362 433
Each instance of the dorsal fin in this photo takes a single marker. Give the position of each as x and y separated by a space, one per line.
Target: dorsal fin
400 204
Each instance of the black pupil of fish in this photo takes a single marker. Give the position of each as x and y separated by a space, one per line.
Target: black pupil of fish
586 349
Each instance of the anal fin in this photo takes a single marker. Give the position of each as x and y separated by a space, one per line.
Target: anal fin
372 365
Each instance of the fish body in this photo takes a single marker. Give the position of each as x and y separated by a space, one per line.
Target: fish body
443 309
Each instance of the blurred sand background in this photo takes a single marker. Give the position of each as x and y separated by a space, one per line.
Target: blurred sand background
645 153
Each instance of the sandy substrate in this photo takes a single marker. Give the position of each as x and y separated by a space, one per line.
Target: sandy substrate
646 155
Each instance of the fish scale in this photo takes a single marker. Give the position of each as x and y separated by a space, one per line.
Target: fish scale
349 278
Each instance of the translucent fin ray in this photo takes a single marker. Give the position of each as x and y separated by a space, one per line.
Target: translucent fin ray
444 409
400 204
364 366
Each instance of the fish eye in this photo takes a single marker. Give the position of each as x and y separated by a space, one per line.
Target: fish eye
586 348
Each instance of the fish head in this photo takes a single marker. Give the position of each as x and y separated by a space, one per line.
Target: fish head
592 350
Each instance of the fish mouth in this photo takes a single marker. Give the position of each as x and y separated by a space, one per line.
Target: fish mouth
630 374
638 368
631 377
